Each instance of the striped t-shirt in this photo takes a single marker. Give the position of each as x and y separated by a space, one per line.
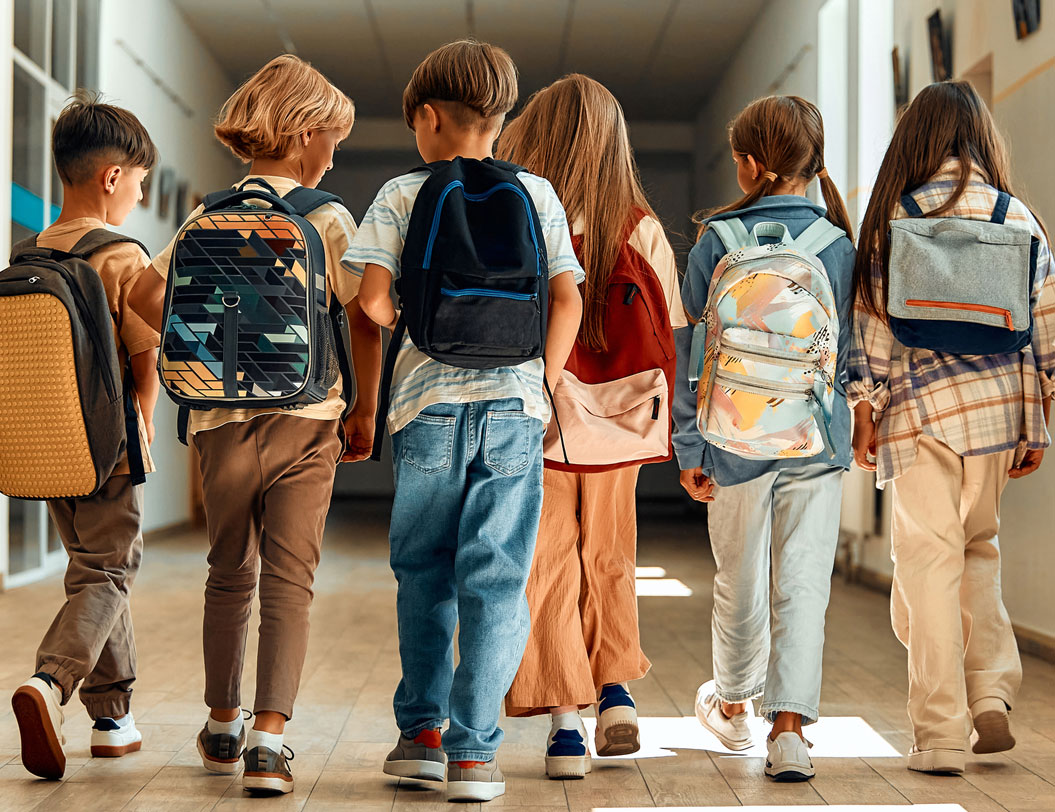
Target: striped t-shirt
419 381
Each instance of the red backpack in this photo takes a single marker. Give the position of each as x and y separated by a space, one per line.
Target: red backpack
612 408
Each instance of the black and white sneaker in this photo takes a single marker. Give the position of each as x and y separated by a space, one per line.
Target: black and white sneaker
221 752
267 772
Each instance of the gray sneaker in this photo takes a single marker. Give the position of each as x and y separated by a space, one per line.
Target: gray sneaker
474 781
221 752
267 772
421 757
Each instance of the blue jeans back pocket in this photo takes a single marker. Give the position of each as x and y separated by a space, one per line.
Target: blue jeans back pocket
428 443
507 442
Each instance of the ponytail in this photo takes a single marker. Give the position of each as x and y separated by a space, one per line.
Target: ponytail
833 201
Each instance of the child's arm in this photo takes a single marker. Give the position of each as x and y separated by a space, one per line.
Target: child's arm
366 354
565 313
147 386
374 298
148 296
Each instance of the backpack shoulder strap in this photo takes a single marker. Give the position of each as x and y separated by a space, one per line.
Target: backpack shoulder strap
819 234
22 246
305 200
508 166
909 204
100 238
732 232
1003 200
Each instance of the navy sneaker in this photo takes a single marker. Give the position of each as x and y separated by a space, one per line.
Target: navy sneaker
567 755
617 731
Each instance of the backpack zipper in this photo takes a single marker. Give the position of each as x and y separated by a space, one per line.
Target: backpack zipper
494 294
975 308
802 360
758 386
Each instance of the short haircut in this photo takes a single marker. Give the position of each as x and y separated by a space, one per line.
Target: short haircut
266 115
89 135
476 83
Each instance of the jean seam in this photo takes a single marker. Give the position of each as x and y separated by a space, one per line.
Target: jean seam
771 708
733 697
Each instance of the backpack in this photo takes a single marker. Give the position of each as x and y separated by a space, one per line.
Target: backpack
246 323
473 287
68 414
767 343
614 406
961 286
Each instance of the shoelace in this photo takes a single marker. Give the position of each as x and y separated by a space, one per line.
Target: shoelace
290 757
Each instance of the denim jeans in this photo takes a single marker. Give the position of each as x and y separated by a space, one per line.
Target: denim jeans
464 520
774 540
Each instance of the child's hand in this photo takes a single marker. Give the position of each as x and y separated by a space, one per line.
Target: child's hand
150 432
864 440
1030 463
696 485
359 436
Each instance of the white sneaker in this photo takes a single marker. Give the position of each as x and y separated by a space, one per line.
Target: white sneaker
992 727
733 733
113 739
789 758
38 711
937 760
617 732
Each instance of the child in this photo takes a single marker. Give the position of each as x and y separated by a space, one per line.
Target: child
779 514
585 645
102 154
948 430
467 447
287 120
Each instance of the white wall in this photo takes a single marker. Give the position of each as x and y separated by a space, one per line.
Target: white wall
158 35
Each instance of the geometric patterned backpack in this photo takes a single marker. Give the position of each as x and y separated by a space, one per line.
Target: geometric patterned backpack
766 344
246 323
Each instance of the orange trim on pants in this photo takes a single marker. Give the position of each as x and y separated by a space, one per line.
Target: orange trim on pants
584 631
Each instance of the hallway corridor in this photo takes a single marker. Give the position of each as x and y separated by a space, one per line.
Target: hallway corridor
343 726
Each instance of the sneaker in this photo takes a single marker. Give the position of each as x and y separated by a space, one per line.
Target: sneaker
567 755
421 757
617 732
267 772
37 704
937 761
789 758
734 733
474 781
221 752
113 739
992 727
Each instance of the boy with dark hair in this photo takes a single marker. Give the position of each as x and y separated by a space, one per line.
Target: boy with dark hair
102 154
467 441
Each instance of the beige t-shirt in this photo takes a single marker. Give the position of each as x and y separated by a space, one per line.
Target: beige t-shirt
336 227
119 266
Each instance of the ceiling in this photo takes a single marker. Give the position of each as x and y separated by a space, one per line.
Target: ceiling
657 56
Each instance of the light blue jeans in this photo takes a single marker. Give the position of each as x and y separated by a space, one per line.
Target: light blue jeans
464 520
774 540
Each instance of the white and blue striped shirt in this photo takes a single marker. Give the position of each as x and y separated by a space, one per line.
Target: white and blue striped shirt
419 381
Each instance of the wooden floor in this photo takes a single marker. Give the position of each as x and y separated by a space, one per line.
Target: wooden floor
343 726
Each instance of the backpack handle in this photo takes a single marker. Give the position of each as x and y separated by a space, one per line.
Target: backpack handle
779 231
246 194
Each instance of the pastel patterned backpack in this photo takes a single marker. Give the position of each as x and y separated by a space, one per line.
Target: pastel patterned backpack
765 348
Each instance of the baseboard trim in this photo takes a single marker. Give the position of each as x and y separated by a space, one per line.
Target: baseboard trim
1030 641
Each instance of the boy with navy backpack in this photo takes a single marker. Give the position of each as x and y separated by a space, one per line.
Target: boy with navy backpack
486 275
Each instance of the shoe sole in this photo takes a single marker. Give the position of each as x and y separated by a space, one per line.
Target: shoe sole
115 750
994 733
937 763
619 739
215 765
266 784
727 743
41 750
459 791
565 767
416 768
790 775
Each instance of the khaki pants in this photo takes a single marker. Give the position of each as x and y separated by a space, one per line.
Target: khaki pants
91 637
266 485
582 594
945 603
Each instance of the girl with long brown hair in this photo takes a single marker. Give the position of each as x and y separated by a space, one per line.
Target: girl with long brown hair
773 522
948 430
584 646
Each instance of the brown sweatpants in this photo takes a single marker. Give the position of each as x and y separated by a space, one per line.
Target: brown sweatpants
582 593
266 485
91 637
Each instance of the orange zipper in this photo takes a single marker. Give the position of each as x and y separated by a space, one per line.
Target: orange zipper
978 308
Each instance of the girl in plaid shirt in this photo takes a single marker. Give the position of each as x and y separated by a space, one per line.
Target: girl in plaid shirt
949 431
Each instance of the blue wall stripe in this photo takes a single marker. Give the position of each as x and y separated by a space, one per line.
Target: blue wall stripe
26 208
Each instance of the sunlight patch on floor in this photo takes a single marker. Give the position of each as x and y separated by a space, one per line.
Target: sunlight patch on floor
650 572
832 737
662 588
796 808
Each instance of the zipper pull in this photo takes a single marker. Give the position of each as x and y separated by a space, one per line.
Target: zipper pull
631 292
655 407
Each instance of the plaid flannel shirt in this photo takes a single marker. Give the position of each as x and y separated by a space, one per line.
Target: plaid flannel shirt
975 404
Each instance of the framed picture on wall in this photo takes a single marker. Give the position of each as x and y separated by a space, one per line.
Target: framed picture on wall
166 191
900 79
181 202
940 52
148 187
1027 17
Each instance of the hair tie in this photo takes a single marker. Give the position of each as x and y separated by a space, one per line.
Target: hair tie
770 176
823 173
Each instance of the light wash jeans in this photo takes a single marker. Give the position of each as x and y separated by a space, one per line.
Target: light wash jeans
774 539
464 521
